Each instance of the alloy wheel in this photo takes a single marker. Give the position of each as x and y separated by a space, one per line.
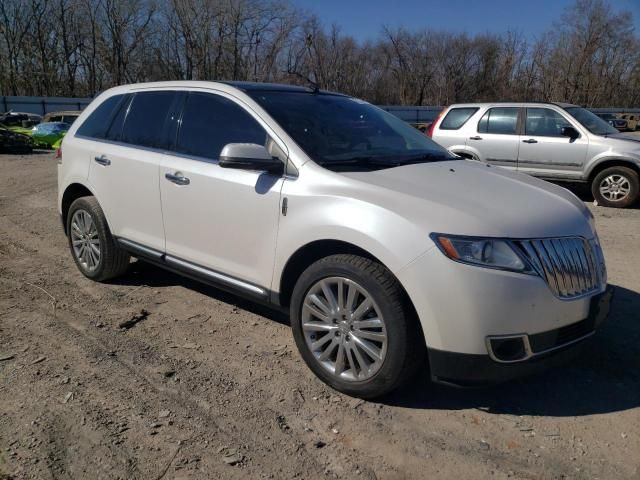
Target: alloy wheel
615 187
85 240
344 329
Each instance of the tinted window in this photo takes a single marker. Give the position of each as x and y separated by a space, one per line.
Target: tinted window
115 128
209 122
544 122
503 120
98 122
456 118
145 122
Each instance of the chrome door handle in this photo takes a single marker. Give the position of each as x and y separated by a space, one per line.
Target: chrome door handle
531 140
102 160
477 137
177 178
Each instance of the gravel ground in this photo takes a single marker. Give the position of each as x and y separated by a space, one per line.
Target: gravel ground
205 385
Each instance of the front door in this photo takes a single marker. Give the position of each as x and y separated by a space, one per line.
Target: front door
544 151
221 221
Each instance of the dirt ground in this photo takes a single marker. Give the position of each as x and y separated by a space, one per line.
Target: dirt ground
206 385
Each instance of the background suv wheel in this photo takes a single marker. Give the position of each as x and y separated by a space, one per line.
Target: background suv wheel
93 248
616 187
353 326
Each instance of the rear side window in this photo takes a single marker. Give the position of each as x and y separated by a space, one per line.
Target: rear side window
209 122
98 122
145 122
501 120
456 118
115 127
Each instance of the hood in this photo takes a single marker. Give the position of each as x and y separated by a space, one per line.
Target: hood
470 198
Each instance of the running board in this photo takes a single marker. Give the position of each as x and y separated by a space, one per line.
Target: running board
192 270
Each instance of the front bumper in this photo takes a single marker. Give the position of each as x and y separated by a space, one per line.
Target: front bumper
548 349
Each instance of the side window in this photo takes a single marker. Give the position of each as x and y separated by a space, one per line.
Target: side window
456 118
502 120
145 123
544 122
209 122
55 119
98 122
115 127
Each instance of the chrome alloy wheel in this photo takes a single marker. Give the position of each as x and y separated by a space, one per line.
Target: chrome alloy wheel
85 240
615 187
344 329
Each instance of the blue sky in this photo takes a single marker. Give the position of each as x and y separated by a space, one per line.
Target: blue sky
363 19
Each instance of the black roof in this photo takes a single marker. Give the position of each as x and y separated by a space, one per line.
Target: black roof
273 87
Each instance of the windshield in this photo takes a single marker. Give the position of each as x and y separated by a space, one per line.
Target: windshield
591 121
344 133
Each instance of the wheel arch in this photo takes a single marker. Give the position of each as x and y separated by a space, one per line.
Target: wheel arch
603 164
72 193
313 251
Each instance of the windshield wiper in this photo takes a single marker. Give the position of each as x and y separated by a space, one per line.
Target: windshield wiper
386 162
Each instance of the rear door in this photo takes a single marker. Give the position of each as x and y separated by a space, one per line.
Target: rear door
544 151
496 141
220 222
124 171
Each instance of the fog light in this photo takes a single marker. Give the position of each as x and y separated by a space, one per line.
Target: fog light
509 348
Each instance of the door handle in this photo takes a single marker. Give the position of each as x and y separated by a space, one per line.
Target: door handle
102 160
477 137
531 140
177 178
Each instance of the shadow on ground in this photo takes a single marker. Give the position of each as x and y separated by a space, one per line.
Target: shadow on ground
143 273
604 378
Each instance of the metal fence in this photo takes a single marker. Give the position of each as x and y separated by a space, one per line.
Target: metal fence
41 105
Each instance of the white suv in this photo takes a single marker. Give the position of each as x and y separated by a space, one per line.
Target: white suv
384 247
555 141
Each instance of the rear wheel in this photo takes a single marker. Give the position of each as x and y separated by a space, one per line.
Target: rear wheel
92 247
353 326
616 187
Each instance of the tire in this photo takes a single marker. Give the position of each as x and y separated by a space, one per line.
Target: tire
403 348
86 224
627 182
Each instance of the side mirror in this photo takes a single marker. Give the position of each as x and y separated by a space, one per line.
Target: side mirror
570 132
249 156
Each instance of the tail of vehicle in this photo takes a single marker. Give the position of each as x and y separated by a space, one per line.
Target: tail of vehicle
433 124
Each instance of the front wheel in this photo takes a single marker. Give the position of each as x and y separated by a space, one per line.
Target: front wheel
616 187
353 327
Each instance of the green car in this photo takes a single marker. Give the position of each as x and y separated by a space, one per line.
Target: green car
49 134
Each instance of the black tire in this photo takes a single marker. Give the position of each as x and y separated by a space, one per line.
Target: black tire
405 342
627 173
113 260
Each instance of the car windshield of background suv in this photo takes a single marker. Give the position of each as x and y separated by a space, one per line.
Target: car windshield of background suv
340 132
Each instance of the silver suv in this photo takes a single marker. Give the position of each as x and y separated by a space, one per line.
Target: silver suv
555 141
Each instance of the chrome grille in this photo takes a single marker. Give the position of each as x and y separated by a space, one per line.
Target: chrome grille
572 266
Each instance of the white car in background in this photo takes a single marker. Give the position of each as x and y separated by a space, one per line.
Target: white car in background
384 247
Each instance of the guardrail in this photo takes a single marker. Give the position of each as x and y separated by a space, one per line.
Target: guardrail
42 105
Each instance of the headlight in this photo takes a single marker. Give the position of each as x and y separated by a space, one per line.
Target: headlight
484 252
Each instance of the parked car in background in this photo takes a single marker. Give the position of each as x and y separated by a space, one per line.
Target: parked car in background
68 116
382 245
618 123
20 119
553 141
14 142
47 134
633 120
